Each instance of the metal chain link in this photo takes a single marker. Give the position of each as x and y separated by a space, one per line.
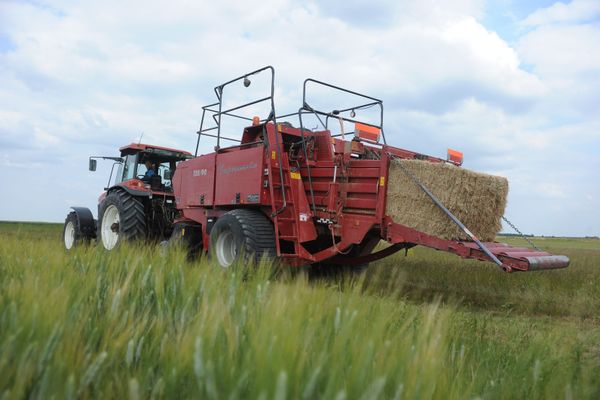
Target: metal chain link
520 233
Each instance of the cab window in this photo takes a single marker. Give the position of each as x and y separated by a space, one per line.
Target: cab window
129 167
117 176
141 169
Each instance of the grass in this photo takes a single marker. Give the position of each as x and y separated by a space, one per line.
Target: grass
137 324
571 292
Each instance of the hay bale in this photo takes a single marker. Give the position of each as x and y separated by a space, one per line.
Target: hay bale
477 200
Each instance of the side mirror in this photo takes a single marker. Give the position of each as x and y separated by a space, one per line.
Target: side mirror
93 163
167 175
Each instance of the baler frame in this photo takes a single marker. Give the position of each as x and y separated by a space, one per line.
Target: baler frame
346 181
337 113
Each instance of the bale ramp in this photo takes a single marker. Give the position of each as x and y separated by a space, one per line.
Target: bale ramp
476 199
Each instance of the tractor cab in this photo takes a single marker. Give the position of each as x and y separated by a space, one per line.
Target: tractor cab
152 165
137 159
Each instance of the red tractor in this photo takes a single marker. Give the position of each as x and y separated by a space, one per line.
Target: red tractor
138 202
307 196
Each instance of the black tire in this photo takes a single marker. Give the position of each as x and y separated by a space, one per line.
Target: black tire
72 234
189 236
130 223
247 233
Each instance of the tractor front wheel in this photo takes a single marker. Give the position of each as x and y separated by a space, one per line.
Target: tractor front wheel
241 235
122 218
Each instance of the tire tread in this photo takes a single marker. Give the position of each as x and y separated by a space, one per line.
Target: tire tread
132 216
258 231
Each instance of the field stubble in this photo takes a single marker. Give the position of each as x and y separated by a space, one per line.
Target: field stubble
136 324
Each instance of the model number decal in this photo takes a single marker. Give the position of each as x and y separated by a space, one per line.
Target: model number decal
200 172
231 170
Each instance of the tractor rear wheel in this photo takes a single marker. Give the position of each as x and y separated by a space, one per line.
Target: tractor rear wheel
72 234
122 218
241 235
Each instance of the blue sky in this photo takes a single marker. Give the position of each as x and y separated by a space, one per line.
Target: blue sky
514 84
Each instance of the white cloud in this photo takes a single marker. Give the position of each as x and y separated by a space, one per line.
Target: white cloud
562 52
551 190
576 10
88 77
494 60
567 59
44 139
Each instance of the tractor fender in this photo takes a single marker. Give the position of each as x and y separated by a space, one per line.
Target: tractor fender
133 192
87 224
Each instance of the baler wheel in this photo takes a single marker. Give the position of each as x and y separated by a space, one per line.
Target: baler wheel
72 234
121 217
241 235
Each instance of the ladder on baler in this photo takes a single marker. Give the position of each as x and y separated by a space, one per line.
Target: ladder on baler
283 207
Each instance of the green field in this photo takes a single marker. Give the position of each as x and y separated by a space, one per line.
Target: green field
137 324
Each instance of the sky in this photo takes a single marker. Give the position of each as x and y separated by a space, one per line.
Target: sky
514 85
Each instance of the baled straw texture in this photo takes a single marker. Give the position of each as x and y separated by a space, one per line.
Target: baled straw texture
477 200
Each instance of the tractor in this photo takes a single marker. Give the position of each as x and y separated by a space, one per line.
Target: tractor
137 203
308 196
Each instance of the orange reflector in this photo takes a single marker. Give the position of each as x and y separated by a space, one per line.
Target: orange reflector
255 121
367 132
455 156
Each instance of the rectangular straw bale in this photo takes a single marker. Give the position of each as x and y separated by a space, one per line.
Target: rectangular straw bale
477 200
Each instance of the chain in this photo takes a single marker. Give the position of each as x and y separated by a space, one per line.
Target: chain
521 233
